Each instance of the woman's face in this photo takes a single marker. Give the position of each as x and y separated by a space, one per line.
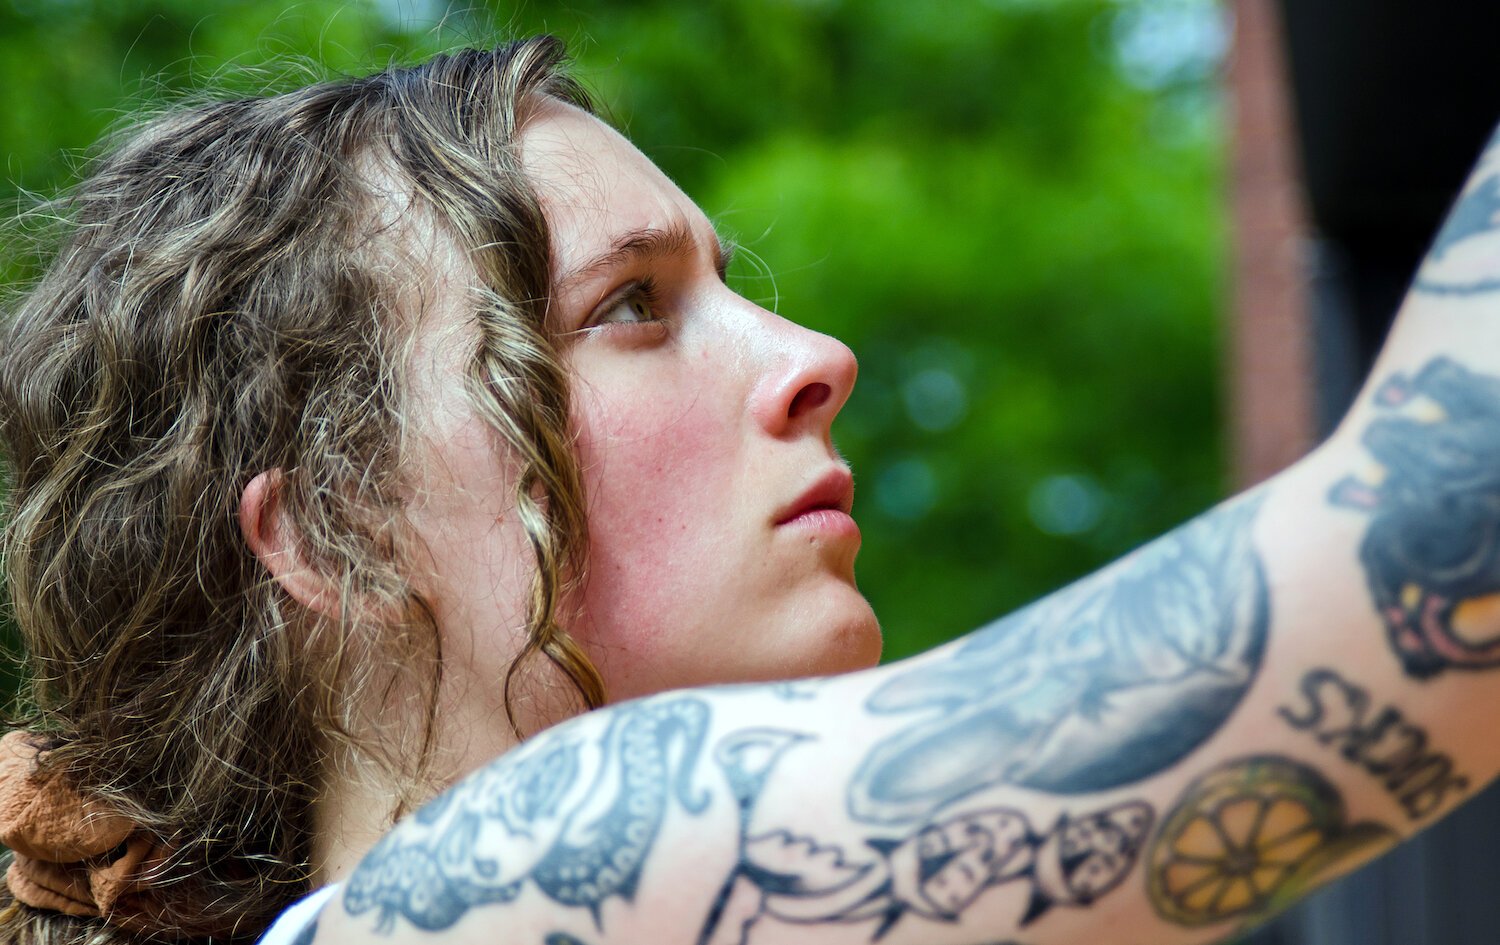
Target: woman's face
720 548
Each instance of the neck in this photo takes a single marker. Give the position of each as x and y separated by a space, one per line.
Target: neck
360 800
353 811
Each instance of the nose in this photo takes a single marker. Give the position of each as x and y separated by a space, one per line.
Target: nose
808 378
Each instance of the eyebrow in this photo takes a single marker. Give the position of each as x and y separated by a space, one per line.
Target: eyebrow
646 244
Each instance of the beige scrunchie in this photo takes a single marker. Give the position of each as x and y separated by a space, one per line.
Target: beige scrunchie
71 856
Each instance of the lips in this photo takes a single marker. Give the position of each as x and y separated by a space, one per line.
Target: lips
833 491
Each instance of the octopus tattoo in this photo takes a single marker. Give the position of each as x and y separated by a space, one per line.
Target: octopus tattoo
579 816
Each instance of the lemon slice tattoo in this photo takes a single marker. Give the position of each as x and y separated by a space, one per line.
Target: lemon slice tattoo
1248 838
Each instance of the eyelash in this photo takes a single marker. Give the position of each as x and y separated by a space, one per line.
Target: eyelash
644 290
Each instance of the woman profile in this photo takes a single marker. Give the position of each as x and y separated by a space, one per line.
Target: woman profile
361 433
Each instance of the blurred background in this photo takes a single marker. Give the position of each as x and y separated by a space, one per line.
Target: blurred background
1102 261
1011 211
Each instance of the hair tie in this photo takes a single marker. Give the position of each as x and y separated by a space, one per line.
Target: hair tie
70 855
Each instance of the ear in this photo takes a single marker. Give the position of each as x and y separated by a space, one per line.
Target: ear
273 540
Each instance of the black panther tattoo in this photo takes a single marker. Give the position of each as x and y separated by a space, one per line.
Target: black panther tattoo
584 815
1431 555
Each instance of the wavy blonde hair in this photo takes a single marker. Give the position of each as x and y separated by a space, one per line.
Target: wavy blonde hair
223 302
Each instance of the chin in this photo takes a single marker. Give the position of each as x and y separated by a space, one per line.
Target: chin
849 637
831 632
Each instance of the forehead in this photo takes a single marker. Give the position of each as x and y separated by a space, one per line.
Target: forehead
593 184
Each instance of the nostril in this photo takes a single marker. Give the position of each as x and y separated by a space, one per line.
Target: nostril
809 398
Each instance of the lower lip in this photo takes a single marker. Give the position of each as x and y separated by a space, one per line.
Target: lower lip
829 522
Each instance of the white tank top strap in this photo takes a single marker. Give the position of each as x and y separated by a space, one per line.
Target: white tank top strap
299 922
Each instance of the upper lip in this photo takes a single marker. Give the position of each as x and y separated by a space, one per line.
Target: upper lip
832 490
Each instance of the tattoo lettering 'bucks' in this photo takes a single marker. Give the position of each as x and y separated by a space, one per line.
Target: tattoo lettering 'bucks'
1384 742
1248 838
1101 685
1431 555
577 819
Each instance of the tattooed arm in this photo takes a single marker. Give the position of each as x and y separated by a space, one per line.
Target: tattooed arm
1164 752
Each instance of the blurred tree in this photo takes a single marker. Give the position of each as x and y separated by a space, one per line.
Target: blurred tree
1009 209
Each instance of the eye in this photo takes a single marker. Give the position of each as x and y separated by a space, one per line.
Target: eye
637 304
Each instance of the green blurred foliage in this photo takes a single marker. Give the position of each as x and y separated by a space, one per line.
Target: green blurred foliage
1009 209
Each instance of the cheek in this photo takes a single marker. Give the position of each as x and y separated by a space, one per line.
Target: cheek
659 475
